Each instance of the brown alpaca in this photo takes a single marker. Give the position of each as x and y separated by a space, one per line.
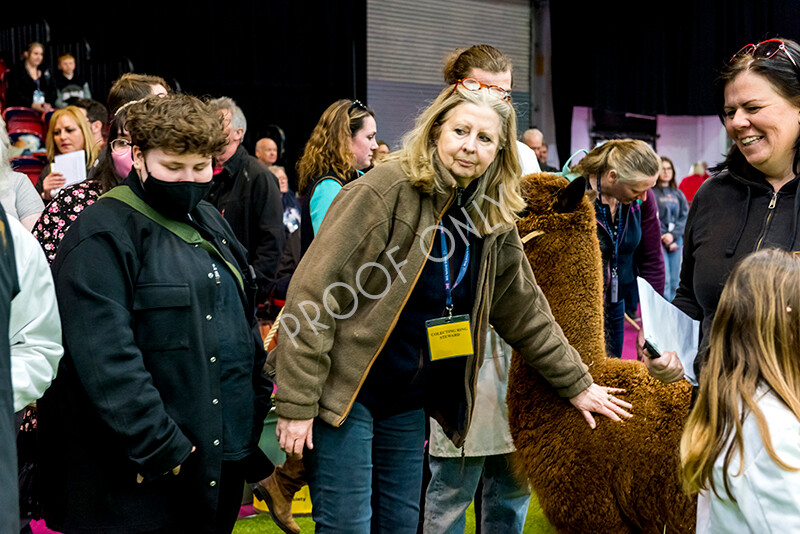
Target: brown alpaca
619 477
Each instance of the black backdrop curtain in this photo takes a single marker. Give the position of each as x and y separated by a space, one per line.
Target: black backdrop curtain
648 58
283 61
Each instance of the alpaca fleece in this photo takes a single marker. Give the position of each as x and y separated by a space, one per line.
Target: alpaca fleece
619 477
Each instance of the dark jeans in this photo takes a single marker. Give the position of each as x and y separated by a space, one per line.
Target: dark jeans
615 328
366 476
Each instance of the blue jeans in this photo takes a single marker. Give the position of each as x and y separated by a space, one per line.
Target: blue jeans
366 476
672 270
452 488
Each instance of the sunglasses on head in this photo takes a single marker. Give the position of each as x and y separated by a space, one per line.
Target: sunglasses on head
765 50
356 105
474 85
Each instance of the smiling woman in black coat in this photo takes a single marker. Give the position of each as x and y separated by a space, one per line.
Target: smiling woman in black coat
155 415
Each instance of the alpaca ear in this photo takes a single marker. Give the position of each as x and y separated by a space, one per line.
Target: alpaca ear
569 197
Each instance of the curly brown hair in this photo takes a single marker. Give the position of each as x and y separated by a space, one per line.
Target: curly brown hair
328 148
180 124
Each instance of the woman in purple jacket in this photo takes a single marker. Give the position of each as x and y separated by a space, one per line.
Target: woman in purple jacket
622 171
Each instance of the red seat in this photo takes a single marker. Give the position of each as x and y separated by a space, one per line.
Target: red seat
24 122
17 111
28 165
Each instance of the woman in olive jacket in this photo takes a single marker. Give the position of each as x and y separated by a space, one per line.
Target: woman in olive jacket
354 358
154 417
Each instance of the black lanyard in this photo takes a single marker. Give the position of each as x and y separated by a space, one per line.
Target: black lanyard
615 239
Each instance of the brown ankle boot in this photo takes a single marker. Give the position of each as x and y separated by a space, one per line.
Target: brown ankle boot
277 491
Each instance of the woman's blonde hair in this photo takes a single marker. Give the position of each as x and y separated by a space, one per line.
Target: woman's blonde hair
89 145
328 148
698 169
634 160
500 183
754 341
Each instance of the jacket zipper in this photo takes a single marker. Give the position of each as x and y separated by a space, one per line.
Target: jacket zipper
394 321
771 209
478 333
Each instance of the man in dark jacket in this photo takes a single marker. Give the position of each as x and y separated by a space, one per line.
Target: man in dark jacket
248 197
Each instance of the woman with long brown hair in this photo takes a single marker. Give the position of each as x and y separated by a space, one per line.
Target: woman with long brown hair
339 150
740 442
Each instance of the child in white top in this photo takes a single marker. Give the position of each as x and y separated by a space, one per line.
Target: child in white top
742 441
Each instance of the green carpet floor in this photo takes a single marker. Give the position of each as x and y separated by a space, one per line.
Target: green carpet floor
535 523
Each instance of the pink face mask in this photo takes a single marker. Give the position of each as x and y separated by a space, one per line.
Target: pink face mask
123 162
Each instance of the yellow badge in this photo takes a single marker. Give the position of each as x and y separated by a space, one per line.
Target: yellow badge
449 337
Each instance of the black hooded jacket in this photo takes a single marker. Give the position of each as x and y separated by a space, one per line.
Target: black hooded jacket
248 197
733 214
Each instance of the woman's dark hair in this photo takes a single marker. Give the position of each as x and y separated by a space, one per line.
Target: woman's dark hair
673 183
459 64
31 46
783 76
105 175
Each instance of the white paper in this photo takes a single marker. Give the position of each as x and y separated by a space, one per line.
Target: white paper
668 328
72 166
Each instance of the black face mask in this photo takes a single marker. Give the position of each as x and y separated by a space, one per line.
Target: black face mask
174 199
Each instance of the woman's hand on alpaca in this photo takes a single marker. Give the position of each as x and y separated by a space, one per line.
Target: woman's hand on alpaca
600 400
294 435
667 367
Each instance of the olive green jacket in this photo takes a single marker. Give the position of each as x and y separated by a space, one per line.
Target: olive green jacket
350 287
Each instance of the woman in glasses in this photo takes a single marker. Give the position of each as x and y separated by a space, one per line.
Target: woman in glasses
114 165
386 314
487 456
752 202
488 65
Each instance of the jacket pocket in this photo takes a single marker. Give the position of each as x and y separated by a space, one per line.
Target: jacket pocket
161 316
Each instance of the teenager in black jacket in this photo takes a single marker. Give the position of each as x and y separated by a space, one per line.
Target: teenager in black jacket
160 397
